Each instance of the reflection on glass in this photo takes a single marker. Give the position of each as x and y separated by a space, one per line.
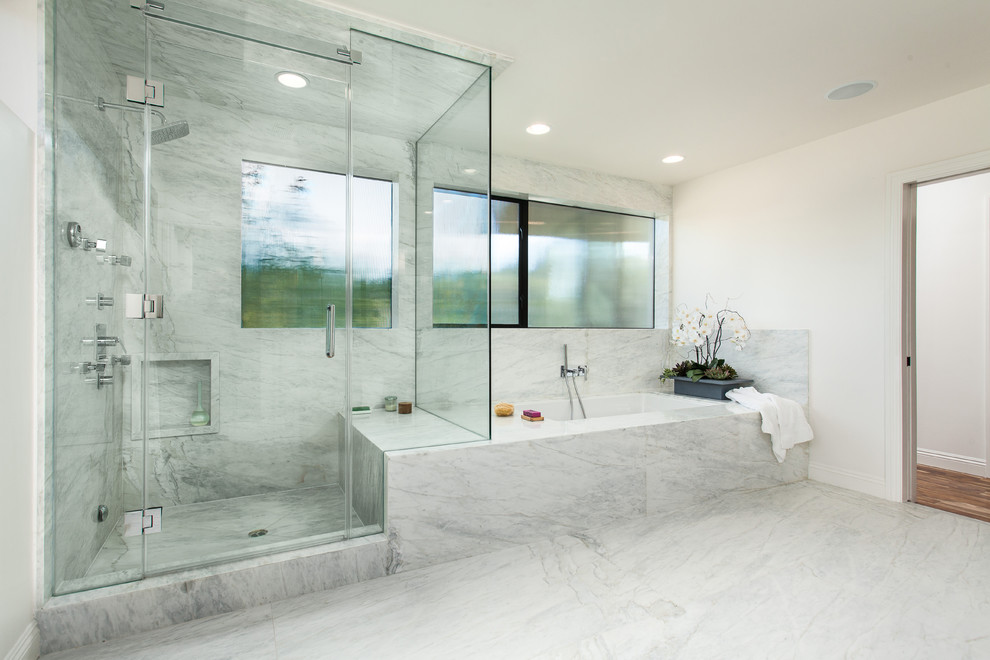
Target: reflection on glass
505 262
293 248
589 269
460 258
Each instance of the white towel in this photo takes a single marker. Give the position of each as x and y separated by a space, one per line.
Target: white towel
783 419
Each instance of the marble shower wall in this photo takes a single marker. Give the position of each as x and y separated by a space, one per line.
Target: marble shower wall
93 188
278 394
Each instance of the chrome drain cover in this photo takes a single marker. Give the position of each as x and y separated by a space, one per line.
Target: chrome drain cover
257 532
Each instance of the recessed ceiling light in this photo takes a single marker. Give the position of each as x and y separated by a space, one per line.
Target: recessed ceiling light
851 90
673 158
470 170
290 79
538 129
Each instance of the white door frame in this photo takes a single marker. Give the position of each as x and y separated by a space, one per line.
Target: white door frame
899 440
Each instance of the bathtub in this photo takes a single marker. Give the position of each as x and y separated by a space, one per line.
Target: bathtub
604 413
618 404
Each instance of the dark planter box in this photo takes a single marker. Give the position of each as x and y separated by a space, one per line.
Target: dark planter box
706 387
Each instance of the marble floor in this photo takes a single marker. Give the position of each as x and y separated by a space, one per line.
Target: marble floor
208 532
796 571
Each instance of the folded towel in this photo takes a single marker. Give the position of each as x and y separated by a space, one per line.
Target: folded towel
783 419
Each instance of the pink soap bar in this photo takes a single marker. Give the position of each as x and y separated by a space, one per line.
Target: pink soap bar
532 413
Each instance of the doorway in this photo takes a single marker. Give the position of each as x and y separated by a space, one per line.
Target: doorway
948 298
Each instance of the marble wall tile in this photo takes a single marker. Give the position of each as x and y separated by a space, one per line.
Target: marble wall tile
368 474
696 460
466 500
776 360
84 423
462 501
96 616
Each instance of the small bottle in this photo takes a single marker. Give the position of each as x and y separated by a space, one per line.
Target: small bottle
390 403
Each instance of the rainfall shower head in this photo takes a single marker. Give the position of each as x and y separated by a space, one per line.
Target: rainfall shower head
167 132
171 131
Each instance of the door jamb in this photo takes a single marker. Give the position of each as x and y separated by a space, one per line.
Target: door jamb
899 441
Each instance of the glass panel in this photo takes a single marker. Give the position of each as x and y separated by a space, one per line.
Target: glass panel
452 374
243 419
460 258
97 187
505 262
589 269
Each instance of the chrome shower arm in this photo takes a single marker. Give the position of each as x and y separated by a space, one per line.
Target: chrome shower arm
103 105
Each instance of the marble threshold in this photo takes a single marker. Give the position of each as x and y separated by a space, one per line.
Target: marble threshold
798 570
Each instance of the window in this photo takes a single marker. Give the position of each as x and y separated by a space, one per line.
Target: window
552 266
589 269
293 248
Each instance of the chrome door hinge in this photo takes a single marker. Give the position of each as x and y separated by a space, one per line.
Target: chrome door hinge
140 90
143 521
144 306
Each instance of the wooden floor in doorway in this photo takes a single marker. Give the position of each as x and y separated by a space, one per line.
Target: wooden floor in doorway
954 491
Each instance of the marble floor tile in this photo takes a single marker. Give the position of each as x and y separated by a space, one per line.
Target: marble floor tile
195 534
244 635
801 570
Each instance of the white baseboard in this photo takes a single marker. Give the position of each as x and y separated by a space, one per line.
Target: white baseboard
954 462
27 646
858 481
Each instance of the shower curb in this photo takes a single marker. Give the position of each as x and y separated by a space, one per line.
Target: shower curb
99 615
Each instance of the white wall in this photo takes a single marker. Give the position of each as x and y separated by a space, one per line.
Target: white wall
799 238
951 326
18 122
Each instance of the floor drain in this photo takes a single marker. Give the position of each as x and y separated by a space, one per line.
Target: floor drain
257 532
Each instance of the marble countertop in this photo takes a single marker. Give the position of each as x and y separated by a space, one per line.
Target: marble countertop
390 431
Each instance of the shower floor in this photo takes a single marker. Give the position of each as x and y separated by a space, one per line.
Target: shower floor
211 532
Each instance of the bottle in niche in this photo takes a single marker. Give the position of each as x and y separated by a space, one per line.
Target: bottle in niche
199 417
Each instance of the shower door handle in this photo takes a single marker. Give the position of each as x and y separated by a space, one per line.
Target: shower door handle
331 313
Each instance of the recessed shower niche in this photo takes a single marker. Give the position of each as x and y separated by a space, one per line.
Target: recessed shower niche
184 395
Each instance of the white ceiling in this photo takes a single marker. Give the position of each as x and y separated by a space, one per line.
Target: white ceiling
625 82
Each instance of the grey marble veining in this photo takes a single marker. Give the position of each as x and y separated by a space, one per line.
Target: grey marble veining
155 602
459 501
799 570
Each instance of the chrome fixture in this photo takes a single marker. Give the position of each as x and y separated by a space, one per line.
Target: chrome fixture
144 306
117 260
73 234
167 132
143 521
102 513
331 329
100 301
101 341
565 371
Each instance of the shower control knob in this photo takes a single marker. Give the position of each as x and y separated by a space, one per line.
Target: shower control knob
100 301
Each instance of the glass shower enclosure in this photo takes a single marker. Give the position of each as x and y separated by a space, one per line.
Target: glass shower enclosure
235 218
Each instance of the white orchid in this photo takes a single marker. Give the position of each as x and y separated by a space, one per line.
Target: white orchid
705 329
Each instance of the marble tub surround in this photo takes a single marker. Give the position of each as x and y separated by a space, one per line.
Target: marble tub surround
382 432
99 615
776 360
800 570
548 478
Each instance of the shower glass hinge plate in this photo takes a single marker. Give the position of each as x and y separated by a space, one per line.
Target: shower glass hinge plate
144 306
143 521
151 92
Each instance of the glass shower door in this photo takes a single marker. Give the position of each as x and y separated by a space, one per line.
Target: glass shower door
241 413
